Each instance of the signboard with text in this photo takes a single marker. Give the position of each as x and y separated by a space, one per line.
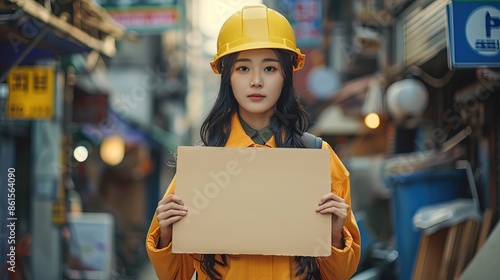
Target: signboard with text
144 16
305 16
31 92
473 33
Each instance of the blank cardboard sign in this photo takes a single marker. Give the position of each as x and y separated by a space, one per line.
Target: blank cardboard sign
252 201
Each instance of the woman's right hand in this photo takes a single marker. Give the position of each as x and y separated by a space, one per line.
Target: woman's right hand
170 210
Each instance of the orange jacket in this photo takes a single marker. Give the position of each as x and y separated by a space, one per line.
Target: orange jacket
341 264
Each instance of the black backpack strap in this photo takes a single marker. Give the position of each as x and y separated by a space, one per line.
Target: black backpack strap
311 141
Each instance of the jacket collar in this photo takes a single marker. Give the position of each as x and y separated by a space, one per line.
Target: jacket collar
239 138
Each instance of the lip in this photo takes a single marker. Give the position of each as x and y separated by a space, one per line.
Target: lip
256 97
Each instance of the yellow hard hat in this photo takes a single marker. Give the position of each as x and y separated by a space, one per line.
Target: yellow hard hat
256 27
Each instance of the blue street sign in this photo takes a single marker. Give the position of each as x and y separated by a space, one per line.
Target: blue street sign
473 34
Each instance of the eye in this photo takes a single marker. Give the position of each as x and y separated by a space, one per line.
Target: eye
270 69
242 68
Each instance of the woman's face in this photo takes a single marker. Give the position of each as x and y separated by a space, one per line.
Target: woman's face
256 81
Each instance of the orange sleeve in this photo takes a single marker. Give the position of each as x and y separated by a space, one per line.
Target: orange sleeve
167 265
342 263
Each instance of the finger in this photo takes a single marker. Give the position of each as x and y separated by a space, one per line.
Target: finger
170 206
171 198
170 221
326 197
340 213
332 204
330 196
334 211
171 213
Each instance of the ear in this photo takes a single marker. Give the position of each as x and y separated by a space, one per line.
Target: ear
220 67
295 61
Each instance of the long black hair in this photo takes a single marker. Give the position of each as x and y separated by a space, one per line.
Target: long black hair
289 115
289 118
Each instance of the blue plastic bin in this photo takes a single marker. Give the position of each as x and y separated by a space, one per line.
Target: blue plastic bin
410 192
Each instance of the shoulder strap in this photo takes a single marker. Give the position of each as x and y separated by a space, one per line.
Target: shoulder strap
311 141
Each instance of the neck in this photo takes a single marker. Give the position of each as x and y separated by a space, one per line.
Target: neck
256 121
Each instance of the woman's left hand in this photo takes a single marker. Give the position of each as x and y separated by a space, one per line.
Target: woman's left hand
335 205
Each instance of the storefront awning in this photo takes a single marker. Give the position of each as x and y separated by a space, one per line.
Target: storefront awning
30 32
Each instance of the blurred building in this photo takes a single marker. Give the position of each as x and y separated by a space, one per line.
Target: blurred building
419 111
39 85
95 97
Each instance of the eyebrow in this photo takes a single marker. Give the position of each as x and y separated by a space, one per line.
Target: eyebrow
264 60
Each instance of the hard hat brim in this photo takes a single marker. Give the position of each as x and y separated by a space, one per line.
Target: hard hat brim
259 45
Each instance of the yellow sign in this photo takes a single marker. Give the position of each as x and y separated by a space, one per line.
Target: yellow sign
31 92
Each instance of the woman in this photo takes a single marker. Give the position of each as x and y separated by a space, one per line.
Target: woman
257 107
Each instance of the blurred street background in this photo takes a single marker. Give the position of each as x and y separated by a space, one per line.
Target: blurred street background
96 96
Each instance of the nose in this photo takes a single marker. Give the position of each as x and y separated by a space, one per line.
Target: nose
256 81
